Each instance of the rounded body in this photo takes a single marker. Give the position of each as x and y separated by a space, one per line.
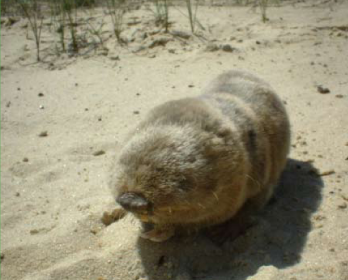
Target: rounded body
194 162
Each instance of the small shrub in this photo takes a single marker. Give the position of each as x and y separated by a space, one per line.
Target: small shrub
192 15
161 13
32 11
116 9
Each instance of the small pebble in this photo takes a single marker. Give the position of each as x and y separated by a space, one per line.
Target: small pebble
227 48
34 231
2 256
339 96
343 205
99 153
323 90
95 230
25 159
40 94
211 47
42 107
136 112
43 134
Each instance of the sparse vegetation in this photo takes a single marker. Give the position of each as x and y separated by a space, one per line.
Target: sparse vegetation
69 7
116 9
192 14
59 20
76 25
95 26
263 7
161 13
32 11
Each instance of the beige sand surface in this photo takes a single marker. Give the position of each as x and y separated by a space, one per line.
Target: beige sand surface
54 189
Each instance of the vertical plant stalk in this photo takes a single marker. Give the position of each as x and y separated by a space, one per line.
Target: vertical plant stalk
190 15
162 13
263 7
33 14
62 30
96 31
59 16
70 9
166 15
116 11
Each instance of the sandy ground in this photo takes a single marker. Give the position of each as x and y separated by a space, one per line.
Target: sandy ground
54 185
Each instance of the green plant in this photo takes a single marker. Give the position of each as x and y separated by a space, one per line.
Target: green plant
192 16
116 9
70 9
32 11
8 7
263 7
95 29
58 18
161 13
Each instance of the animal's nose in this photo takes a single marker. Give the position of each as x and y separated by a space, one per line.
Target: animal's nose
134 202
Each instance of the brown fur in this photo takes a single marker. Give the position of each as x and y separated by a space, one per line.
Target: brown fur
196 161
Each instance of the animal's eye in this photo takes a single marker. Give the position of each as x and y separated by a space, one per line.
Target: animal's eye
159 169
184 185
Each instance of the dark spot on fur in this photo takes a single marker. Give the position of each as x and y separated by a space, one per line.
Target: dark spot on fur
161 261
252 140
185 185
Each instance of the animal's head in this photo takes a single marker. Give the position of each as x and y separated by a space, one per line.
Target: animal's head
163 172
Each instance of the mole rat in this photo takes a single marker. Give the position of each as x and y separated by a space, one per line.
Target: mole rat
194 162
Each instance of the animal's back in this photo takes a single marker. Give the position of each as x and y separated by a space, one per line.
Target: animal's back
259 115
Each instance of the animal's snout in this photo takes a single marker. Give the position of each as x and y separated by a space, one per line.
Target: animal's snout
134 202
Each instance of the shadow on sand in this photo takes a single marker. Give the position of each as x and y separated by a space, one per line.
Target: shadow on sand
276 239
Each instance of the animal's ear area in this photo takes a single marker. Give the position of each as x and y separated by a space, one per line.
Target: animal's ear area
134 202
214 147
185 184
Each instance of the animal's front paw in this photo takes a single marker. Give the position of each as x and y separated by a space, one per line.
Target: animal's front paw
158 234
110 217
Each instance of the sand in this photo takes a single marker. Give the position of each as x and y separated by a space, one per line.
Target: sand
62 122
